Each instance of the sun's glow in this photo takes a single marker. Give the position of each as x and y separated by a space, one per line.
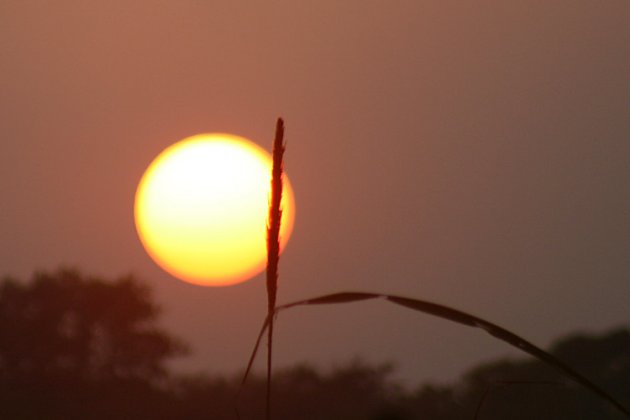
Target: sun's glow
201 209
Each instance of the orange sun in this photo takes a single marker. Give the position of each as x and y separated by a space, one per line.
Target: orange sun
201 209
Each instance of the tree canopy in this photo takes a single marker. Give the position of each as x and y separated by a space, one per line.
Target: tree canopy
78 332
67 323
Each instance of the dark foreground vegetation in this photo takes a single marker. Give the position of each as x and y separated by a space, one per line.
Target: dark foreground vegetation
77 347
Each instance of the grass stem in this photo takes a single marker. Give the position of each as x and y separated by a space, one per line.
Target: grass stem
273 247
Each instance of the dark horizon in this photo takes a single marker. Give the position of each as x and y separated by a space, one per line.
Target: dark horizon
65 354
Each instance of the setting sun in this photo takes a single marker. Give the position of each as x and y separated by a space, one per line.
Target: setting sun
201 209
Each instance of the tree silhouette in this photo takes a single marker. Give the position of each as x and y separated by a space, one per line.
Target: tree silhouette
524 389
67 339
80 347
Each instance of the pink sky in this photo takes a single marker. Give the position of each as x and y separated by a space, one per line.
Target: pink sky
473 154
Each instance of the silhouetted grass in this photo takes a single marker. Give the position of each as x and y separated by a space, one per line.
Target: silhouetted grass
273 246
450 314
431 308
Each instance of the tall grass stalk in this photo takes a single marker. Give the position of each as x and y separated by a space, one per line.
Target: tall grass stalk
273 247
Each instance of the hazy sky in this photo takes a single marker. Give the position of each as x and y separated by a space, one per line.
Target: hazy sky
472 153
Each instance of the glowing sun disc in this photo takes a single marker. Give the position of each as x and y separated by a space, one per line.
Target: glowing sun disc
201 209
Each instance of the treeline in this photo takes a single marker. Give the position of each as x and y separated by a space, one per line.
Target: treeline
79 347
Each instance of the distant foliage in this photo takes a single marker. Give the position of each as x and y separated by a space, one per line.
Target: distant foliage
527 388
78 347
68 340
